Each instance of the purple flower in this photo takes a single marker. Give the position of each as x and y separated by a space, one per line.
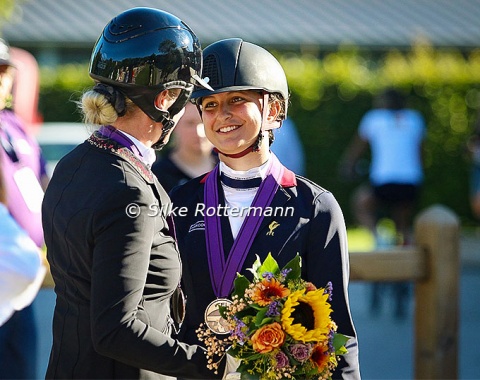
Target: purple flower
331 335
268 275
285 271
273 310
238 330
281 359
329 290
300 351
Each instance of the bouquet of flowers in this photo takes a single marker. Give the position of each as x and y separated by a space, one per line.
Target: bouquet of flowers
280 326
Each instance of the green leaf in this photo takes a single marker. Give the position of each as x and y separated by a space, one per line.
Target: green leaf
339 341
296 268
246 376
267 321
223 311
254 356
234 351
240 285
260 316
270 265
248 311
256 306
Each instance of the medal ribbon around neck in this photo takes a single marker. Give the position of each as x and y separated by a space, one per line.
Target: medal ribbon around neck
223 272
114 134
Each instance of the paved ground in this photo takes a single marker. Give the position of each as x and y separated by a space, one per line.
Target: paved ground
386 344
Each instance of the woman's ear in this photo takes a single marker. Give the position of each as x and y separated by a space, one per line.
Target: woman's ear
166 98
274 109
161 100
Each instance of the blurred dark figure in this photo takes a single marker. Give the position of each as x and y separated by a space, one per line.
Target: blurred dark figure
473 146
192 154
289 148
394 134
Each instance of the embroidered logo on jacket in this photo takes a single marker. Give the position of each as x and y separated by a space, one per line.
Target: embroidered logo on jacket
271 227
200 225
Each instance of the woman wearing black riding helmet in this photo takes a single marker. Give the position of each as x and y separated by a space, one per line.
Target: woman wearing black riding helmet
110 240
249 99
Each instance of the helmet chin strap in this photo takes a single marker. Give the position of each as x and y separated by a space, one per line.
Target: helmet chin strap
168 124
236 155
255 147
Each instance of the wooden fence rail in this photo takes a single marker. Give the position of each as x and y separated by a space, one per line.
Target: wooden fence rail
434 267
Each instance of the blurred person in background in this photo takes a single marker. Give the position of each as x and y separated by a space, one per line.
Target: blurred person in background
288 147
192 153
473 146
395 135
21 267
24 177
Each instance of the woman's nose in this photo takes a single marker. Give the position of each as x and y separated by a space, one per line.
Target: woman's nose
225 110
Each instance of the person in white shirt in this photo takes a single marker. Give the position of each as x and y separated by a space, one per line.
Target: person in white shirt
395 136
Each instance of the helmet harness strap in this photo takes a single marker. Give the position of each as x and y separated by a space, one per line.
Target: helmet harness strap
168 124
114 97
117 99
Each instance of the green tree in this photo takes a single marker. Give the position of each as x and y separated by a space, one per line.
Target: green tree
7 8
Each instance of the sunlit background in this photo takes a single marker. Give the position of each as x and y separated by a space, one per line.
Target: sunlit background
337 55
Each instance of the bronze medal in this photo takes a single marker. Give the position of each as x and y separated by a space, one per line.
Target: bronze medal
214 320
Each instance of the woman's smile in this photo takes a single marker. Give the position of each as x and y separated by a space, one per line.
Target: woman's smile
228 128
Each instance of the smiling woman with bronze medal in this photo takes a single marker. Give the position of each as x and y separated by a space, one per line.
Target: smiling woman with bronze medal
249 100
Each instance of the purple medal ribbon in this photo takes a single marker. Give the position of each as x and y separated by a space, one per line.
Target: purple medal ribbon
119 137
223 272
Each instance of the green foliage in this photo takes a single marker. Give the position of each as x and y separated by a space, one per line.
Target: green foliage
331 93
60 88
241 283
269 265
6 10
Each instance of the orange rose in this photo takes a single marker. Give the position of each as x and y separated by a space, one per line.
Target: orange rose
268 337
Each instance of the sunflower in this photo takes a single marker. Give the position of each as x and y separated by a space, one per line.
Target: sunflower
306 316
268 290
